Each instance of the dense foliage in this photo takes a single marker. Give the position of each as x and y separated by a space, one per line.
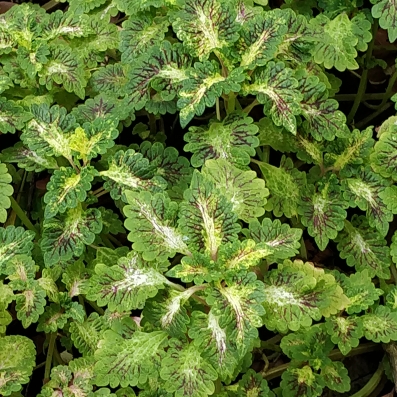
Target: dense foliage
166 167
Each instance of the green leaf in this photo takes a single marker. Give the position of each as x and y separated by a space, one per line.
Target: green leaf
124 286
381 325
6 190
12 116
18 366
260 38
111 222
386 11
364 248
167 311
233 140
239 308
276 137
203 87
173 168
129 362
307 345
186 372
282 241
345 154
298 292
14 241
206 217
285 184
86 335
46 133
360 290
276 88
215 343
140 34
66 189
383 158
252 384
75 278
94 138
322 211
130 170
66 236
164 69
335 376
206 26
30 303
363 191
110 79
301 382
27 159
21 269
151 220
64 68
243 189
336 42
346 332
388 197
323 119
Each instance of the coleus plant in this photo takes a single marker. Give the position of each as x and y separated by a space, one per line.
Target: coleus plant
158 271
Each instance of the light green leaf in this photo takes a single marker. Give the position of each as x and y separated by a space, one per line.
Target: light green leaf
363 190
285 184
323 211
124 286
12 116
215 343
130 171
381 325
260 38
282 241
346 332
66 236
298 292
276 88
14 241
186 372
129 362
18 366
238 306
203 87
6 190
206 217
151 220
243 189
364 248
66 189
206 26
233 140
386 11
46 133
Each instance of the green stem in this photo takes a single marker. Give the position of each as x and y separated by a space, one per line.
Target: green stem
218 110
50 352
231 103
248 108
22 216
95 192
114 240
368 119
51 4
81 301
364 77
372 383
102 193
389 89
106 241
98 309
